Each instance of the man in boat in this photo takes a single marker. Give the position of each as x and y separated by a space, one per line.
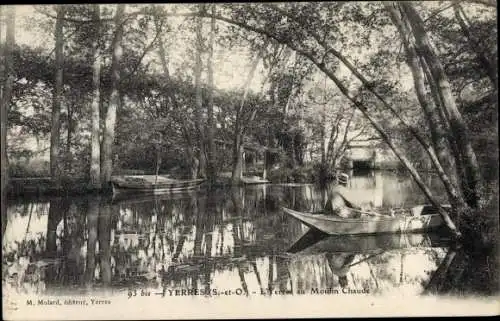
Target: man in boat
337 204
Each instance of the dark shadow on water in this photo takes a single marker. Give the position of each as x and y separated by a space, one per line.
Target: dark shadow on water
311 237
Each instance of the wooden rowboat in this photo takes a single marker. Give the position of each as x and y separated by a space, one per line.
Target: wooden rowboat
252 180
418 219
151 185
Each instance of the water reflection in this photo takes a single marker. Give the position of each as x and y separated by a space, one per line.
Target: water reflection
387 189
235 239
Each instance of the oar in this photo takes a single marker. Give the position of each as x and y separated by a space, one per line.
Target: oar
367 258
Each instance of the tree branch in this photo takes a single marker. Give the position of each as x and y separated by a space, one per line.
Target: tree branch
147 49
360 107
474 45
488 3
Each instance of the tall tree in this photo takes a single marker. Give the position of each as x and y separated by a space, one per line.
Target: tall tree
239 126
95 152
211 170
55 139
114 100
200 154
5 99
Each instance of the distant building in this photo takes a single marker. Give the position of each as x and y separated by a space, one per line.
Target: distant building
368 153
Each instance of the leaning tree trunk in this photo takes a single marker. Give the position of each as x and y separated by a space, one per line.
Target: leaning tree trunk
385 137
437 133
7 81
360 106
55 139
114 101
95 152
457 124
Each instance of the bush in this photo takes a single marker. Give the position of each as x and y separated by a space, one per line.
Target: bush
34 168
309 173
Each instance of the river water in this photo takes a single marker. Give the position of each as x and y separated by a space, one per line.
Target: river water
212 242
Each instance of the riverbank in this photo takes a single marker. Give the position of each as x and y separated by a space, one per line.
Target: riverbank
45 186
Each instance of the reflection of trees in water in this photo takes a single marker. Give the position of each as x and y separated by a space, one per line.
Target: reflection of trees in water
200 241
23 244
106 244
382 273
92 225
308 198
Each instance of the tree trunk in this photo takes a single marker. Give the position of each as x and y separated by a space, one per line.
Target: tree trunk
7 81
158 162
459 170
55 170
211 170
237 173
239 127
114 100
200 154
69 138
2 47
457 124
437 134
95 152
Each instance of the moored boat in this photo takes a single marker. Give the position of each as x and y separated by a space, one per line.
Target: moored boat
152 185
420 218
252 180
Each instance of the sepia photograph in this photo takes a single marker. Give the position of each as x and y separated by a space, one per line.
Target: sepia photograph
249 160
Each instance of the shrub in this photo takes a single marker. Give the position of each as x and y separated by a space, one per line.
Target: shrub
34 168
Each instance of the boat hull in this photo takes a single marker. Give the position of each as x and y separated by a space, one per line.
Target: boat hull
254 181
173 186
368 225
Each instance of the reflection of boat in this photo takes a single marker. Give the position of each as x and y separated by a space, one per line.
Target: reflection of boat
152 184
129 198
421 218
225 179
365 243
